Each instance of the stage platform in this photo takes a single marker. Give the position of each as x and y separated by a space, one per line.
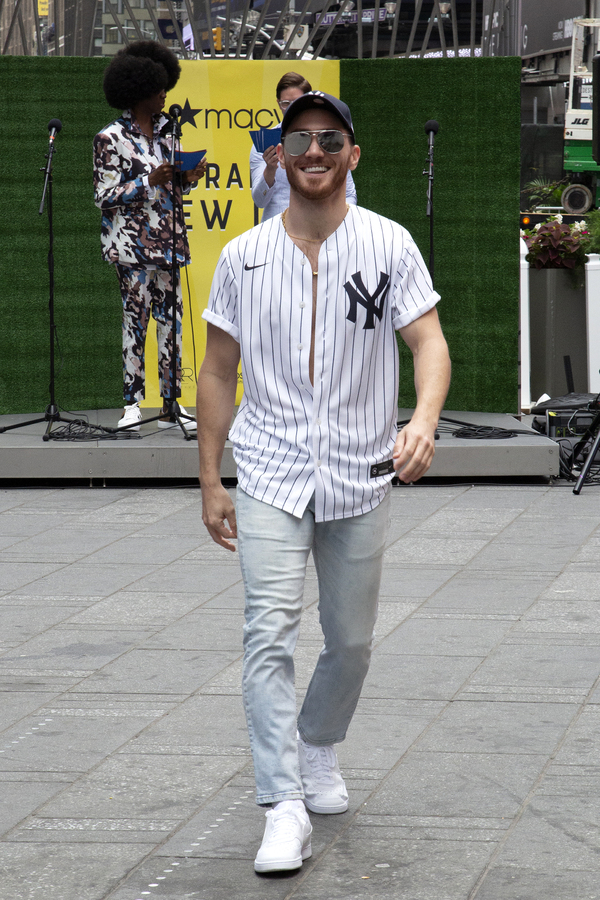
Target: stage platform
164 454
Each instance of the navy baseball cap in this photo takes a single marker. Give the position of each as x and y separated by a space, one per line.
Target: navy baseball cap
318 100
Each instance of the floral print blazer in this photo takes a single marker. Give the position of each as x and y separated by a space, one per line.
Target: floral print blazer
136 218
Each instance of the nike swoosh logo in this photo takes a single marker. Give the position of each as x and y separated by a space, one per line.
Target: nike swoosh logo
259 266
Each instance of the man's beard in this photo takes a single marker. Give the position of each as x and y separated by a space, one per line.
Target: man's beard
318 191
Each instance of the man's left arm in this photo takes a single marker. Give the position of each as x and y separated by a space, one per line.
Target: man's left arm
415 444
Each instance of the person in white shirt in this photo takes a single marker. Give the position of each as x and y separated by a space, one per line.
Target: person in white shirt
270 186
311 301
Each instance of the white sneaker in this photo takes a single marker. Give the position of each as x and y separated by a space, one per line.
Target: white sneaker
131 415
286 841
189 423
324 788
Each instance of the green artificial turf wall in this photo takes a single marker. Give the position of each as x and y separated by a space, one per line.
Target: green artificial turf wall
87 302
476 202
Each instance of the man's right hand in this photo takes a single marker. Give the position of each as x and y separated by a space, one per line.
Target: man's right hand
218 514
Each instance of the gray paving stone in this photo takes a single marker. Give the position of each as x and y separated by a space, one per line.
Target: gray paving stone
430 549
445 636
573 617
490 592
55 872
159 671
472 759
139 608
481 521
467 727
418 677
565 667
16 705
168 786
422 500
159 549
511 883
41 830
547 832
511 556
590 550
14 575
563 531
401 581
19 798
498 498
72 648
444 784
581 745
64 545
561 501
68 743
205 725
573 584
399 526
205 879
377 740
438 828
22 620
201 629
388 867
79 578
189 577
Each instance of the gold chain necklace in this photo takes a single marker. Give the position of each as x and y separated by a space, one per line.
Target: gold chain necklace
306 240
294 237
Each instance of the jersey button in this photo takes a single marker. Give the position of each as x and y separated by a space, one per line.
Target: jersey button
318 462
300 346
302 305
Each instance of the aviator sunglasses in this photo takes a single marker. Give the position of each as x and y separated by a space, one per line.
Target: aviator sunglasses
297 142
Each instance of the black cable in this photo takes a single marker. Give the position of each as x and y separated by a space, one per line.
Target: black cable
468 431
189 292
81 430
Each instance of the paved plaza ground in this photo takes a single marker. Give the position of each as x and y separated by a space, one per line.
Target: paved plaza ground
473 762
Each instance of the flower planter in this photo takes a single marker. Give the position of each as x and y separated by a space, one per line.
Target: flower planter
557 328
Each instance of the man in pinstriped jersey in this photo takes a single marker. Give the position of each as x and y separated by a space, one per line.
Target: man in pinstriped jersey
310 301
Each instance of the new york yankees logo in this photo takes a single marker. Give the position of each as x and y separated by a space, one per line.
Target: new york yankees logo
369 301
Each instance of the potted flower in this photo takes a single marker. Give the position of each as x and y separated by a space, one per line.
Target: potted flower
555 245
557 256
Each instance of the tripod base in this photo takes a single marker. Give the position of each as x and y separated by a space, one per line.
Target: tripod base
51 416
592 432
173 411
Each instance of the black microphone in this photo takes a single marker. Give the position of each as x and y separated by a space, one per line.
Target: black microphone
431 128
175 110
54 126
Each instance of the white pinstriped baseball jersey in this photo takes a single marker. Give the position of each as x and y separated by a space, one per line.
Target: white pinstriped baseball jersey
292 439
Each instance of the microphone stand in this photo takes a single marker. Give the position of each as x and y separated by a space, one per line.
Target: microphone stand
52 413
173 409
171 401
431 129
591 435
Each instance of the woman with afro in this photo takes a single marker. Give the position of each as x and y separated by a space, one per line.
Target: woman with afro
132 187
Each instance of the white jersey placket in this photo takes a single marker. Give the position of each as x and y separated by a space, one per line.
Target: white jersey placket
320 411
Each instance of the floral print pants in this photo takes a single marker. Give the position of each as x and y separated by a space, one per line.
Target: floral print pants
146 291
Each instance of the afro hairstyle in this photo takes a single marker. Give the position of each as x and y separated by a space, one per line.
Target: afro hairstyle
139 71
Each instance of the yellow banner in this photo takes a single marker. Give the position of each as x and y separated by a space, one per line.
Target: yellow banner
43 7
222 100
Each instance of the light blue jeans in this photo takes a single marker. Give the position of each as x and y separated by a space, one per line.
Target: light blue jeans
274 547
